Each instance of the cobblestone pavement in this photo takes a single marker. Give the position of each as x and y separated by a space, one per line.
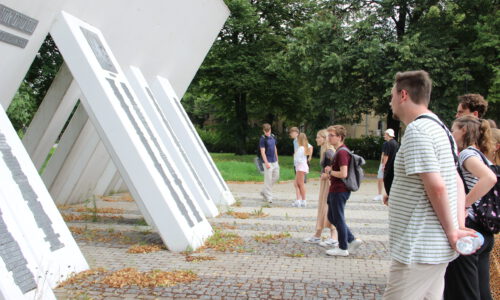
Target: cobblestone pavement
285 268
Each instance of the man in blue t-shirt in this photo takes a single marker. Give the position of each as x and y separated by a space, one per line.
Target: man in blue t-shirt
269 153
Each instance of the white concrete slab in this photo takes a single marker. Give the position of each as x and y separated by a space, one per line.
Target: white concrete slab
188 172
182 126
33 211
129 136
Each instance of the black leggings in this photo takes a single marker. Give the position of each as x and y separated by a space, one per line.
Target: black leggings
468 276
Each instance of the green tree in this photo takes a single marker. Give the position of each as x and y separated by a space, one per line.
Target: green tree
236 71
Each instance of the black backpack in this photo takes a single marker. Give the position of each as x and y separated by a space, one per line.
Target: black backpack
487 210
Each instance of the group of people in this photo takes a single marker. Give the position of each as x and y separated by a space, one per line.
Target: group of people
431 205
335 158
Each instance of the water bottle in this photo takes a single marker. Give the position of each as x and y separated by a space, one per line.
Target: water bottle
468 244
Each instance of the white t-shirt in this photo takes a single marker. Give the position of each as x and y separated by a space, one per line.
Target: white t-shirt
299 157
415 233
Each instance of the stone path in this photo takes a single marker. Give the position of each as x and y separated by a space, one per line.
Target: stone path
287 268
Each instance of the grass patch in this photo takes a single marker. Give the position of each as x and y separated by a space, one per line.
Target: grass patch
224 241
242 168
256 213
297 254
271 238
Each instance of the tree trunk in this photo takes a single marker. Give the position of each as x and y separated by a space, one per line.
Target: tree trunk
240 107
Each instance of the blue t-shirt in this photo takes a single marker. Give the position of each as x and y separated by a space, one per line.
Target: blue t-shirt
269 143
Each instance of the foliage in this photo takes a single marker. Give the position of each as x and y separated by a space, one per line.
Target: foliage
315 63
369 147
339 60
35 85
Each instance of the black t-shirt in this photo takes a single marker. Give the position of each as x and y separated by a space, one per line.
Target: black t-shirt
390 148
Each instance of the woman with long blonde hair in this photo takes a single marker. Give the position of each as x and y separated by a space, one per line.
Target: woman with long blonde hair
326 155
301 168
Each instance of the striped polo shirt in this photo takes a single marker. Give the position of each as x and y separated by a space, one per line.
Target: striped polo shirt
415 233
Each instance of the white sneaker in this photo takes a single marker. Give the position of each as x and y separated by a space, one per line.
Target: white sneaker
329 242
302 203
296 203
337 252
377 198
312 240
354 245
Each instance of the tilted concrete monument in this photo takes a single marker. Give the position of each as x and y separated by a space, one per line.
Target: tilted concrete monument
110 105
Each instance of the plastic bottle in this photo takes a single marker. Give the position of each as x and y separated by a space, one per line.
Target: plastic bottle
468 244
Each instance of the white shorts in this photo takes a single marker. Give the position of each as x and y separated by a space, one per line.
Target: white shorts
303 167
380 173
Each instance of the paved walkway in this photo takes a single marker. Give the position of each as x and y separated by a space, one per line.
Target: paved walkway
286 269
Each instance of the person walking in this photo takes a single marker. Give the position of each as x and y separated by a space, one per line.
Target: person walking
468 276
301 169
269 153
425 198
389 153
326 155
339 194
389 147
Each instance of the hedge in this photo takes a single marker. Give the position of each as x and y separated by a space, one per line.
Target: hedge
368 146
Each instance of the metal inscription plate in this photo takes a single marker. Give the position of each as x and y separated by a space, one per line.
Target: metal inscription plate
14 260
42 219
12 39
172 172
156 162
99 50
176 141
14 19
200 143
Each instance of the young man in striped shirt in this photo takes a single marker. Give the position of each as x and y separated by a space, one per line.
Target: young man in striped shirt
426 200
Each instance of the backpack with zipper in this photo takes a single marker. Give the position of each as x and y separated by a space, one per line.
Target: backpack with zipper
355 171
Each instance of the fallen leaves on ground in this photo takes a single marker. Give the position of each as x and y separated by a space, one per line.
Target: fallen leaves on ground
155 278
130 276
224 226
299 254
118 198
99 235
239 215
198 258
271 238
102 210
89 217
139 249
82 277
244 215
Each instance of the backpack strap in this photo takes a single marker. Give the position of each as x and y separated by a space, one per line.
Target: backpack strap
450 137
453 150
483 157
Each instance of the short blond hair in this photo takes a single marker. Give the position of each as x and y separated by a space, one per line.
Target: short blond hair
293 129
266 127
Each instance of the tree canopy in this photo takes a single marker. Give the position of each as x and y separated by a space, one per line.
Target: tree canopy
316 63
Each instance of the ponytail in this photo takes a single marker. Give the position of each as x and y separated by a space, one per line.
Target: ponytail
486 143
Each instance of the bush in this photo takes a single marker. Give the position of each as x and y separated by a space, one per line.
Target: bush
216 142
369 147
